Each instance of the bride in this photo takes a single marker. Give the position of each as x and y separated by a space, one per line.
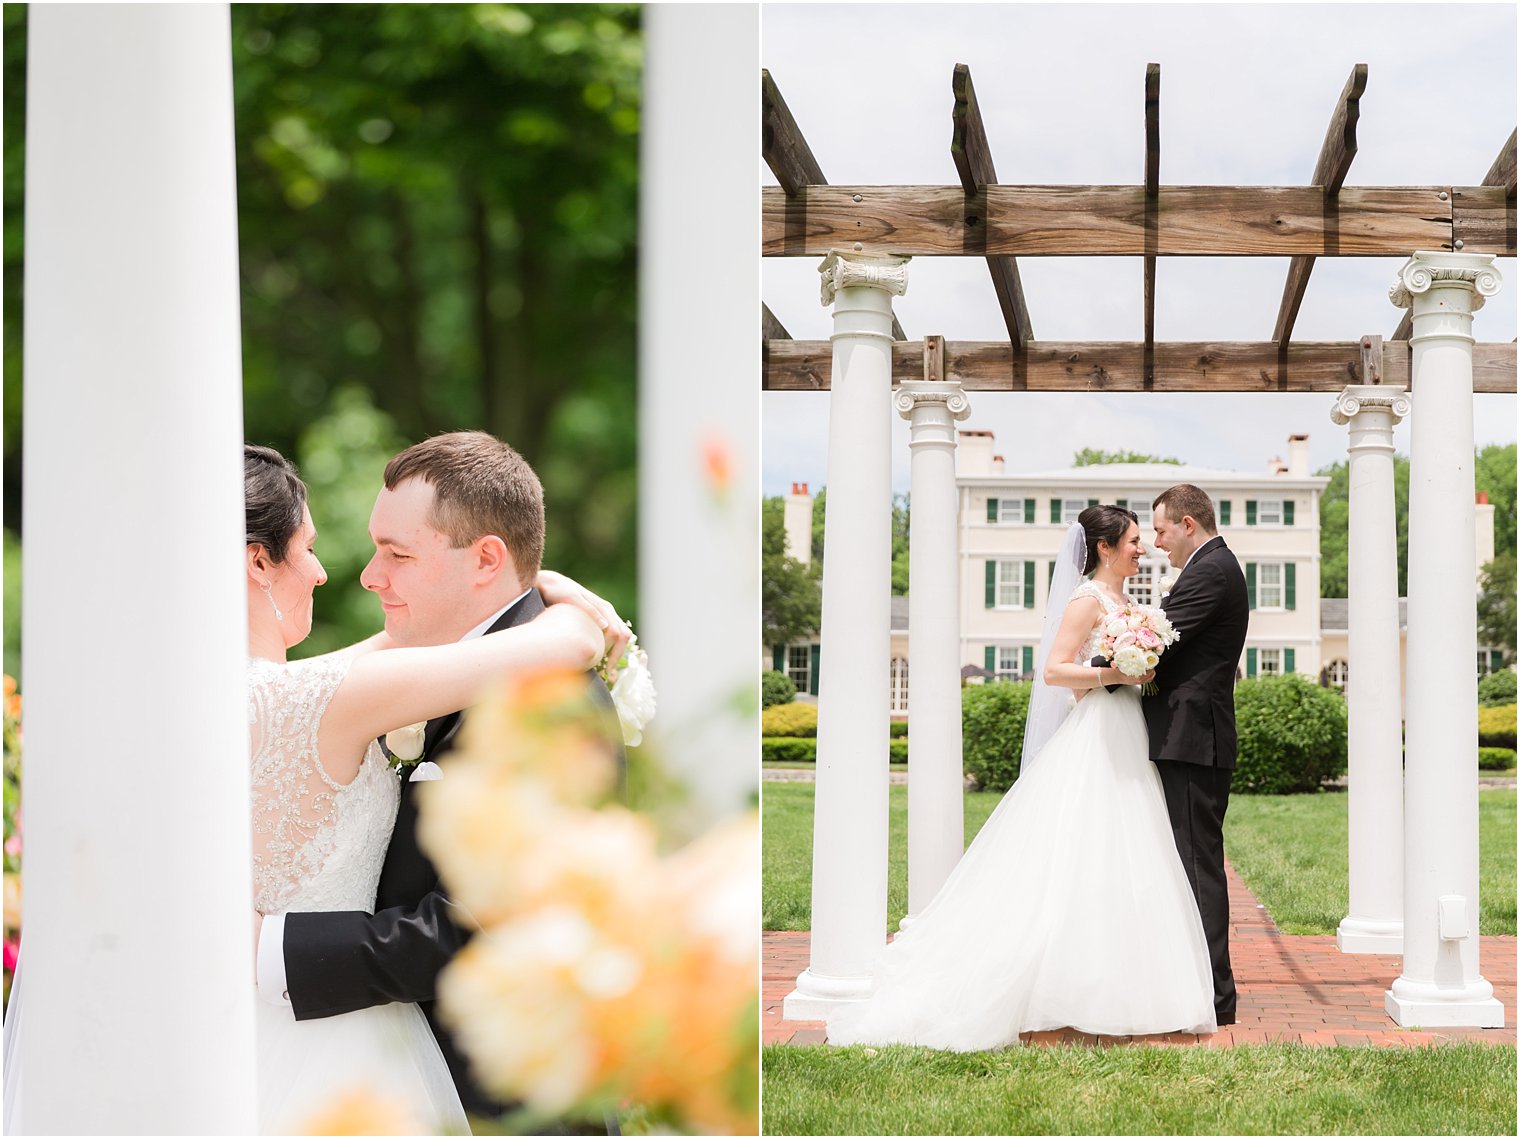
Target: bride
1071 908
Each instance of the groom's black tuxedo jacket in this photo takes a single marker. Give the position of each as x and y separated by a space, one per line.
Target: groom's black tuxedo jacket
1192 719
337 962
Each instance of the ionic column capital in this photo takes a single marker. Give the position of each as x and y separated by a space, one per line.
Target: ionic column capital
842 270
917 395
1358 398
1473 273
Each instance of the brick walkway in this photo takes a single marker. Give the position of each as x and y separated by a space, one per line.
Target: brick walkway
1291 988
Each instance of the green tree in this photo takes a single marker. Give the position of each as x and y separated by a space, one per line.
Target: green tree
900 545
1092 457
1334 526
790 596
1496 603
1494 473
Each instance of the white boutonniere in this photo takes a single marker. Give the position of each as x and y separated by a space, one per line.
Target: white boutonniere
1166 584
405 745
633 691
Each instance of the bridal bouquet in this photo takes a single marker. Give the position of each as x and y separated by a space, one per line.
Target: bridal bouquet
1133 639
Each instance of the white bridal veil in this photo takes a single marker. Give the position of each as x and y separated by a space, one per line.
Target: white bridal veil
1049 706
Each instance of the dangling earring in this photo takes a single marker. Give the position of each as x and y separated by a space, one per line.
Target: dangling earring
268 592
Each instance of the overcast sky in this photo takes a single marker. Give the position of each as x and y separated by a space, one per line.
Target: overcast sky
1246 95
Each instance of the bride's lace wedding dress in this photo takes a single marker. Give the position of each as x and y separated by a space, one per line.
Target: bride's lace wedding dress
319 845
1070 908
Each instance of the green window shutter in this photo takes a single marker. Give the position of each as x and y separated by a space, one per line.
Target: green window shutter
1251 585
778 658
1287 661
1290 583
815 651
1028 656
1092 502
1055 510
989 658
991 585
1287 512
1224 513
1250 662
1029 512
1250 512
992 510
1028 585
1495 660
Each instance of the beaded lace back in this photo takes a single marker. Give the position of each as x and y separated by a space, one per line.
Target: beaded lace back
317 844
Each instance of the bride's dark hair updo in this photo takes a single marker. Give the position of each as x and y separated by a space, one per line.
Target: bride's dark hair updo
1104 524
275 498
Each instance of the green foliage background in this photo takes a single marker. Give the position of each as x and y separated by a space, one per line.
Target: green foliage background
438 210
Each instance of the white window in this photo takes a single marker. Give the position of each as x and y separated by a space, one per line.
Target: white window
1070 508
798 665
1269 662
1339 673
1010 585
1142 586
1011 510
1485 662
1141 508
1269 585
899 682
1269 512
1010 661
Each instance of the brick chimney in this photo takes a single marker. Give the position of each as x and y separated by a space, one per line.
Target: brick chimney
797 518
1484 517
1298 456
974 453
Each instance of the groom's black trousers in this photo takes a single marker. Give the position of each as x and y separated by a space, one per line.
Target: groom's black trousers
1196 798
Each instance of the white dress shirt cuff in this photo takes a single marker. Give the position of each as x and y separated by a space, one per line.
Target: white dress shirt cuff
271 963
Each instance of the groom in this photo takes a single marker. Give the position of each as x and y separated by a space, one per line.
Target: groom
440 499
1191 720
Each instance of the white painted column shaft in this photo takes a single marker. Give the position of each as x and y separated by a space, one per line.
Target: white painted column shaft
699 493
936 788
849 912
1441 984
137 950
1375 797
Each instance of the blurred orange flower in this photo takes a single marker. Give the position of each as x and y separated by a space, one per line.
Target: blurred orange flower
365 1111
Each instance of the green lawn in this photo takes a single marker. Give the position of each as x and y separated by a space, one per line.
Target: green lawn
1290 849
1462 1089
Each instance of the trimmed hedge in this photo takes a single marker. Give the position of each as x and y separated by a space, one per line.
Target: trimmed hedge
776 688
992 731
899 729
1496 758
1292 735
790 720
804 749
1496 726
1497 687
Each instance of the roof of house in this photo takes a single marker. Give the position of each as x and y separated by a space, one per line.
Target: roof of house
899 614
1162 474
1333 614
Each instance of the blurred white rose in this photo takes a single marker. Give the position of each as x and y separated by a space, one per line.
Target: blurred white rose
406 743
634 696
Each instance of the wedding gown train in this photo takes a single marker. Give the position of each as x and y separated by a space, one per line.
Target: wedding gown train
1070 909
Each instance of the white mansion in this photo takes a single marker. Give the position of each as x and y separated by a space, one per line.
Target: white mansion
1011 525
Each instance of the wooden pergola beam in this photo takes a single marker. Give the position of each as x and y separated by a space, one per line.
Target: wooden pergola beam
806 365
1335 155
786 152
1152 210
1478 228
1109 221
972 155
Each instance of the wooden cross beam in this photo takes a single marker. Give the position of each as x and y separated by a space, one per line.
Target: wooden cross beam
973 162
1152 216
806 365
1109 221
791 160
1335 155
1476 227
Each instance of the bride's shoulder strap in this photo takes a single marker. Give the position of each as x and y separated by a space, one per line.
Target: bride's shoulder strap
1088 589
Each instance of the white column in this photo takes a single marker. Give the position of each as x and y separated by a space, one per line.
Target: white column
936 785
699 379
1375 797
1441 984
849 915
138 946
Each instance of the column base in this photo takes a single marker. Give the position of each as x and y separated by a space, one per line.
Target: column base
816 996
1416 1004
1365 935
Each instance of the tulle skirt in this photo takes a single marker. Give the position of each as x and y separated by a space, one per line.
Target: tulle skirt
386 1054
1069 910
